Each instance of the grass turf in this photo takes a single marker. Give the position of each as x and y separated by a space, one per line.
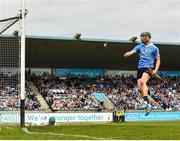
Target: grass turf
116 131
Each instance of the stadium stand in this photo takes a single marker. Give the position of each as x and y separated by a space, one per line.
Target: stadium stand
77 92
66 93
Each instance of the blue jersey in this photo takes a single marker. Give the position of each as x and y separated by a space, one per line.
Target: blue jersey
147 55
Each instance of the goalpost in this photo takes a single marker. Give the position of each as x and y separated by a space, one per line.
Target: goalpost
22 27
12 60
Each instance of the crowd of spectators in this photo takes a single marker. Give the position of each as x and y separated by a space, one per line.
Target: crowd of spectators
66 93
75 92
10 97
166 96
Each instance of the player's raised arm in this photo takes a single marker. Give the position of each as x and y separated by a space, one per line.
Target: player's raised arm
129 53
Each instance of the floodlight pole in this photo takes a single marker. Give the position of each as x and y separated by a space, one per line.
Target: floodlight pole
22 95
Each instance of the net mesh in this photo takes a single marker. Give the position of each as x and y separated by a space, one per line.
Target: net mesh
9 60
9 72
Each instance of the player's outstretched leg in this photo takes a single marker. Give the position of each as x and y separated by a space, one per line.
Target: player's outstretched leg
146 105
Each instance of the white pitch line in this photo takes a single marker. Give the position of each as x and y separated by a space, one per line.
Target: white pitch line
60 134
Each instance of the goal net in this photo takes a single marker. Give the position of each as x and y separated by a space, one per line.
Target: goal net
9 66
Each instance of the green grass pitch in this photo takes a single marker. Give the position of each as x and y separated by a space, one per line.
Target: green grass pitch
95 131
